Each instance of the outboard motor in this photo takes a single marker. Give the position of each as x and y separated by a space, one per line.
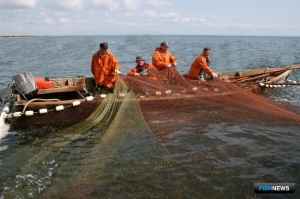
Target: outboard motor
25 85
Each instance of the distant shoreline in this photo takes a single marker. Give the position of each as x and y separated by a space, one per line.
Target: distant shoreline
21 36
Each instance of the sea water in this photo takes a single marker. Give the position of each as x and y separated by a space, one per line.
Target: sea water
203 161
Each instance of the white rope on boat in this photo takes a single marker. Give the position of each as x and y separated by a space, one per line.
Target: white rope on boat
37 99
5 112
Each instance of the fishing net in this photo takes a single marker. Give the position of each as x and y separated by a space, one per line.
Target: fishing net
125 149
174 101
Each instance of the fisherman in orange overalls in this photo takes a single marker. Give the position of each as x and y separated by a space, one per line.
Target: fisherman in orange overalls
105 68
141 67
162 58
200 65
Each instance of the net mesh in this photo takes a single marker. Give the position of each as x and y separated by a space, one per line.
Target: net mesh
125 149
174 101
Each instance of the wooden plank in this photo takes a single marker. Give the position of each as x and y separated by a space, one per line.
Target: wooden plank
40 104
280 77
58 90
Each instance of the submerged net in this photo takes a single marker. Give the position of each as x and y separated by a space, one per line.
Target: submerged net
123 148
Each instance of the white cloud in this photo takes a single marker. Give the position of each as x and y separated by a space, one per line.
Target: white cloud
12 4
41 14
131 4
158 3
193 20
63 20
59 14
170 15
83 21
111 5
64 4
47 20
129 15
245 25
135 16
149 14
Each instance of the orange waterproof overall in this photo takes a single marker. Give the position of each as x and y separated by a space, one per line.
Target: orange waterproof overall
161 59
103 69
198 66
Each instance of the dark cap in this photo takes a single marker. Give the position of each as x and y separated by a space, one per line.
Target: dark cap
164 44
139 58
104 45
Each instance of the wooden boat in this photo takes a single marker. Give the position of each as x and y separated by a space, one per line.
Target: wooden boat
267 77
68 101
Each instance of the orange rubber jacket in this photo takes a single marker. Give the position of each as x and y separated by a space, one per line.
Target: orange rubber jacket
198 66
161 59
104 68
135 70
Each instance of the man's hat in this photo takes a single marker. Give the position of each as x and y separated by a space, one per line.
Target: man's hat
164 44
104 45
139 58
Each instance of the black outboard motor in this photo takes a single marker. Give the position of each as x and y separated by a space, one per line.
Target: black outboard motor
25 85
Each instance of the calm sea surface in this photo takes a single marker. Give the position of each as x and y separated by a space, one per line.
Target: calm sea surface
198 161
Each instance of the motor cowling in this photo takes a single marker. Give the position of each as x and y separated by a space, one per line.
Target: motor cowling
24 84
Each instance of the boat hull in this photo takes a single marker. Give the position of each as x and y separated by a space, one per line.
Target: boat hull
70 115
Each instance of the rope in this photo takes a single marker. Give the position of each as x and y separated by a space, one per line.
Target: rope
37 99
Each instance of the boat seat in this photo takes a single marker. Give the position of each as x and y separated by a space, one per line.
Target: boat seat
59 90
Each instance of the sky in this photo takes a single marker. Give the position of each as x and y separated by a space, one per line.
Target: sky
150 17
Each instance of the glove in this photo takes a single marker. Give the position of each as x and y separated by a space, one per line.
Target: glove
136 74
214 75
117 72
174 64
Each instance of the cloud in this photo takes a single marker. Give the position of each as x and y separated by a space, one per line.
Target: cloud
47 20
131 4
224 25
149 14
38 20
63 21
64 4
171 15
193 20
41 14
158 3
14 4
59 14
111 5
175 17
